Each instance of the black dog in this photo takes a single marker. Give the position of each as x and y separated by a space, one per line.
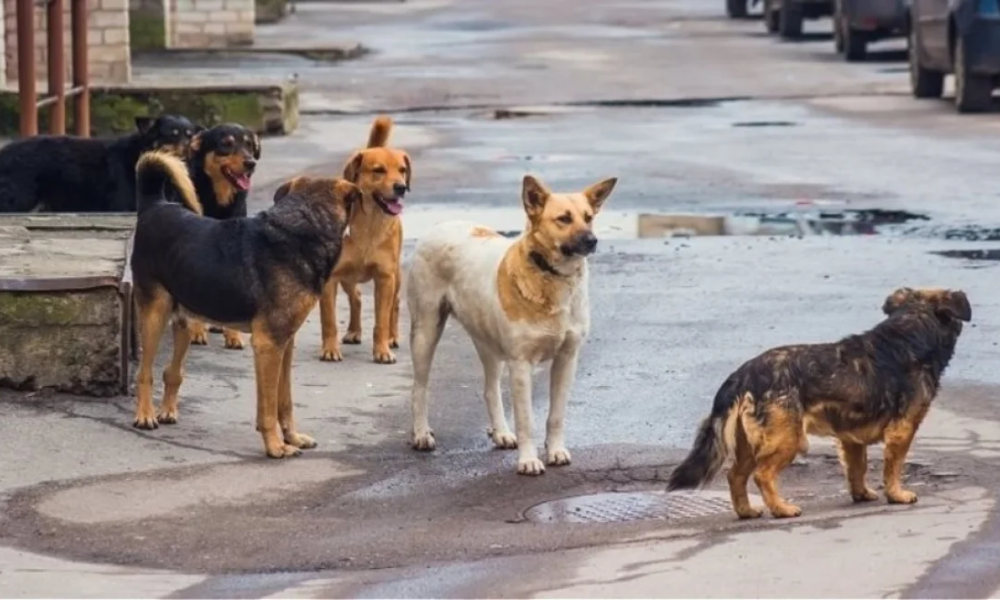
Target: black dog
71 174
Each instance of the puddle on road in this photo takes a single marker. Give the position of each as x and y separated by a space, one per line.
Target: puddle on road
991 254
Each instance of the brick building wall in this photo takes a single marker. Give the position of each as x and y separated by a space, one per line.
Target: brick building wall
107 36
210 23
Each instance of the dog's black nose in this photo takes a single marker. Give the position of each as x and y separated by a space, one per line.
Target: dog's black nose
399 189
588 242
249 164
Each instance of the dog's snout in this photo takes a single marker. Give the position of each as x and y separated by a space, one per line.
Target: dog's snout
588 242
249 164
399 189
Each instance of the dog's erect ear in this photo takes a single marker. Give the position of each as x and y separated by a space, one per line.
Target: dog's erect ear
534 194
353 168
956 305
283 190
255 139
896 300
409 170
599 192
142 124
199 128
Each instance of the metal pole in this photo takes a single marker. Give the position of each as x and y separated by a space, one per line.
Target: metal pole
26 67
81 75
57 67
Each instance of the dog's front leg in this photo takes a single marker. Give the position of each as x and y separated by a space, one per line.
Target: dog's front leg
520 392
384 295
328 322
285 418
268 356
561 381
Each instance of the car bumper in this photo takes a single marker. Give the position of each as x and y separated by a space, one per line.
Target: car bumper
875 14
982 45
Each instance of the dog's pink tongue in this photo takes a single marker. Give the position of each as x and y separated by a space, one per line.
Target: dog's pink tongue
243 182
395 207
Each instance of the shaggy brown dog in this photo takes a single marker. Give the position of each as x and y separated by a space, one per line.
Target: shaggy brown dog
864 389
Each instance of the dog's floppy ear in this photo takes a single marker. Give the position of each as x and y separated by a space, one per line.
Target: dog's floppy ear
896 300
534 194
256 145
599 192
353 168
142 124
349 192
195 144
956 305
409 170
283 190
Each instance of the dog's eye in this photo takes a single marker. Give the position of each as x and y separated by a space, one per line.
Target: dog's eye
566 219
588 218
380 170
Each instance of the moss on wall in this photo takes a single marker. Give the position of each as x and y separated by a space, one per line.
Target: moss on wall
146 30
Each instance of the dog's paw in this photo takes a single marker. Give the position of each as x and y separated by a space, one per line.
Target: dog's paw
300 440
384 356
168 416
530 466
331 355
352 337
199 337
901 497
423 441
750 513
786 511
865 496
283 451
145 420
558 457
503 440
234 341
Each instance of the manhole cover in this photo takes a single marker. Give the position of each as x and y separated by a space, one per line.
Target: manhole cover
637 506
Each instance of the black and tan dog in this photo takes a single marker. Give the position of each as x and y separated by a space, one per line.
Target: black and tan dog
262 275
70 174
864 389
221 161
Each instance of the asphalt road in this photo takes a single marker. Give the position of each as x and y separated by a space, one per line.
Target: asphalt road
694 114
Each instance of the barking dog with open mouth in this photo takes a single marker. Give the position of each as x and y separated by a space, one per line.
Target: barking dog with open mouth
864 389
221 162
372 248
262 275
522 302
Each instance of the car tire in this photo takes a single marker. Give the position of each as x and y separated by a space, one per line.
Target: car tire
737 9
973 92
924 83
772 16
790 20
855 44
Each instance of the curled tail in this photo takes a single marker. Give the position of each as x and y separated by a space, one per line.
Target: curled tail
378 137
160 177
712 445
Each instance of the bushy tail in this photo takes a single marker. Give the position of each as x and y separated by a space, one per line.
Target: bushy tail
711 447
161 176
378 137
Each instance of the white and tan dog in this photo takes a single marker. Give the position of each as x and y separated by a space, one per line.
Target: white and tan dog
522 303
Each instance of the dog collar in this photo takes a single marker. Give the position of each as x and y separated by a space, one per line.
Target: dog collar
541 263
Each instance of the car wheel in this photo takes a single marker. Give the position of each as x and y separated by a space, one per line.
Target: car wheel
973 92
771 17
790 21
736 9
838 27
924 83
855 44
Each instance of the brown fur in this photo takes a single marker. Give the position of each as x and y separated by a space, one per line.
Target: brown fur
372 249
867 388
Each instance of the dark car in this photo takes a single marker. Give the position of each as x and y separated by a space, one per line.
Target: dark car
786 16
737 9
959 37
857 23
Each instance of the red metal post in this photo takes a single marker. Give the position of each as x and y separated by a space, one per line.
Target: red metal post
26 67
81 75
57 67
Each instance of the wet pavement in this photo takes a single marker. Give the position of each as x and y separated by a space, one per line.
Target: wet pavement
697 116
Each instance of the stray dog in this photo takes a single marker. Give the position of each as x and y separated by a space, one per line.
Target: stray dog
522 302
221 162
262 275
864 389
372 248
70 174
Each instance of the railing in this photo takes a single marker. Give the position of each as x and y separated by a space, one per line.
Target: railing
57 92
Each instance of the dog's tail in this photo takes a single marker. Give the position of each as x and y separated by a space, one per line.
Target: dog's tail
378 137
714 442
160 176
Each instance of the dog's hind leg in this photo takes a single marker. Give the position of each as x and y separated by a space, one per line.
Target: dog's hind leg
503 438
328 322
739 475
427 321
173 374
154 309
285 418
775 442
854 457
897 437
353 335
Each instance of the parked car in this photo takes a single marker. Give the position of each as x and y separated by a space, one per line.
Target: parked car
785 17
857 23
957 37
739 9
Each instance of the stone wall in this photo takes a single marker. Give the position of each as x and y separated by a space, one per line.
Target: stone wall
107 37
210 23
